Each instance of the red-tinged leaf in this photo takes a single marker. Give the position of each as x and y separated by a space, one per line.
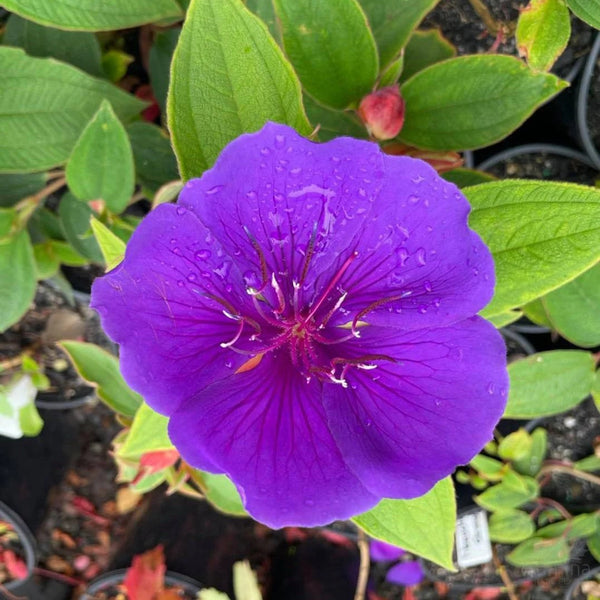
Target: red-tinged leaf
155 461
336 538
440 161
408 594
484 594
86 508
294 534
145 579
15 566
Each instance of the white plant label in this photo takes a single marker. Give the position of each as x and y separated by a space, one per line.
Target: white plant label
473 545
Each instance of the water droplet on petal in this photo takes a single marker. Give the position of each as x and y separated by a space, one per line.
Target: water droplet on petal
176 251
427 286
491 388
214 190
202 255
421 257
423 309
192 277
418 179
402 256
413 199
279 141
173 241
181 210
295 171
180 283
437 302
265 151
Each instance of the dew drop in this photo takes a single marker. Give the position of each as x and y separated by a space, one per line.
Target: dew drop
491 388
265 151
413 199
418 179
180 283
202 255
427 286
402 256
295 171
176 250
173 241
422 309
279 141
228 364
421 257
181 210
437 302
192 277
251 195
213 190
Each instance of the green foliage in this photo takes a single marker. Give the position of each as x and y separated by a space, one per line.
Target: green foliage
80 49
228 77
114 64
514 491
148 433
265 11
159 64
329 42
505 318
571 529
101 164
488 468
586 10
112 247
572 309
530 463
101 369
392 22
472 101
44 107
221 493
515 446
510 526
543 31
423 525
333 123
550 229
16 187
548 383
75 222
425 48
537 551
91 15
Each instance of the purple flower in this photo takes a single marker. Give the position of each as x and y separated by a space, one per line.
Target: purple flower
406 573
305 317
383 552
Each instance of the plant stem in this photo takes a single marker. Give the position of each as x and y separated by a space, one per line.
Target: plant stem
363 571
557 505
564 468
58 576
508 584
36 198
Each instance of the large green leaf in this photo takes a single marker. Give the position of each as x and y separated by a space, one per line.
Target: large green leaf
92 15
18 186
424 525
222 493
102 370
228 77
101 164
159 64
80 49
331 48
17 272
540 552
514 491
548 383
510 526
425 48
542 234
75 222
543 31
472 101
586 10
265 11
392 22
155 163
333 123
44 107
574 309
148 433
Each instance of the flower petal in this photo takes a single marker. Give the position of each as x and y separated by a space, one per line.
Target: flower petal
408 423
266 429
276 193
164 304
406 573
418 263
381 551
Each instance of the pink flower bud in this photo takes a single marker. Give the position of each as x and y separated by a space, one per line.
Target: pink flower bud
383 112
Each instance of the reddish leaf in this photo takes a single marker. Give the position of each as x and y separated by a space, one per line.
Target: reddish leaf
150 114
155 461
145 579
15 566
336 538
440 161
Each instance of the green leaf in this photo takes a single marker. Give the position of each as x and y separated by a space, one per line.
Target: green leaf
75 221
155 163
91 15
586 10
543 32
159 64
44 107
101 164
488 468
222 494
50 254
589 463
16 187
472 101
228 77
392 22
114 64
17 276
515 446
512 492
101 369
510 526
392 74
531 463
593 544
80 49
572 529
425 48
535 311
148 433
333 123
506 318
596 389
265 11
424 526
548 383
29 420
542 227
538 552
149 482
112 247
65 254
329 42
466 177
573 309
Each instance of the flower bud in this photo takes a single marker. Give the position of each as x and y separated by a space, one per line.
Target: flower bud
383 112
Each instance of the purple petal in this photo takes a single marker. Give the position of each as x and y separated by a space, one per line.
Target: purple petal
418 264
277 197
380 551
266 428
159 304
406 573
432 405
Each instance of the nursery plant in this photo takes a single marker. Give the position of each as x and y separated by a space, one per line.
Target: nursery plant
306 309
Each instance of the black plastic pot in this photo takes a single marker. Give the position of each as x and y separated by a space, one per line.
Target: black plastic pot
583 90
114 578
27 542
572 592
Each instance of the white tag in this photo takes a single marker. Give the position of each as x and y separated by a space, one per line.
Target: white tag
473 545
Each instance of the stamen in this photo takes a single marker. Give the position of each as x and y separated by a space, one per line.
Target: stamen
309 253
264 315
377 304
261 257
333 310
236 337
280 297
